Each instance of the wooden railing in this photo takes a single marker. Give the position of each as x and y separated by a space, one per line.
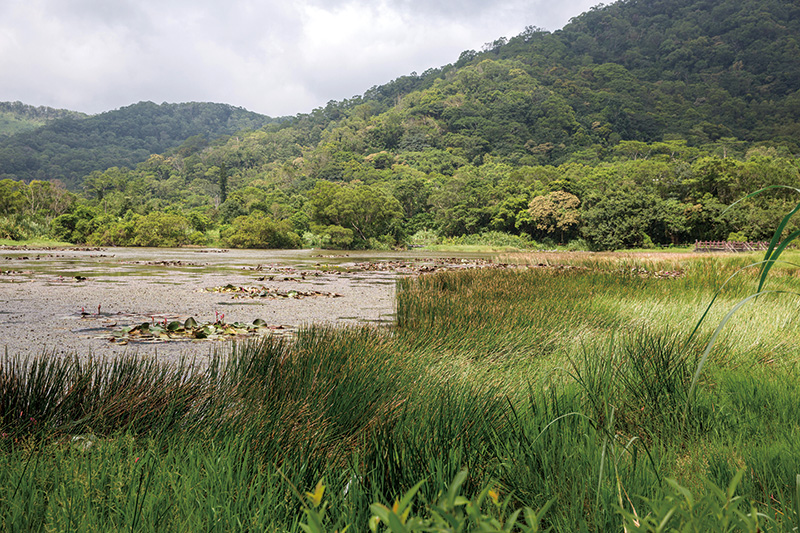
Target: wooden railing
729 246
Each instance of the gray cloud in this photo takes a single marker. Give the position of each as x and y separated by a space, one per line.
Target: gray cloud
274 57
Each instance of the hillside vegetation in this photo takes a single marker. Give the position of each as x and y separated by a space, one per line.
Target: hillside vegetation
70 147
16 117
635 125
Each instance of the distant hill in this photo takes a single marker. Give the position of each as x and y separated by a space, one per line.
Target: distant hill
16 117
73 145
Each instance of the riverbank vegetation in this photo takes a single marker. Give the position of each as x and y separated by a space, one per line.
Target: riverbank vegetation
563 387
658 201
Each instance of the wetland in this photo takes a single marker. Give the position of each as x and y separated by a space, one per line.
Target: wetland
78 300
564 384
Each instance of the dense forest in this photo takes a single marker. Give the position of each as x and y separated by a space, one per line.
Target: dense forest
70 147
635 125
16 117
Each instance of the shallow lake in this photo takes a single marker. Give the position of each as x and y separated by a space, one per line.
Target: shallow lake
80 301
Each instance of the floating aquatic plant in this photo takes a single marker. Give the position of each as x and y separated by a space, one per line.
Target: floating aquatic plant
190 329
269 292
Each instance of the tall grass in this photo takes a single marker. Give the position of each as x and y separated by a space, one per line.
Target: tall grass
553 386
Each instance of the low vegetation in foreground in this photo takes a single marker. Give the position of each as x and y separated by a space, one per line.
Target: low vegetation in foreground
554 396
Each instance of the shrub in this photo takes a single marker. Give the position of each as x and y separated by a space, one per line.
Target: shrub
119 233
161 229
10 230
424 237
258 230
737 236
493 238
339 237
198 238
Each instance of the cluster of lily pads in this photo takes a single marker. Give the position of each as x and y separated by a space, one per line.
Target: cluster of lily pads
189 329
269 292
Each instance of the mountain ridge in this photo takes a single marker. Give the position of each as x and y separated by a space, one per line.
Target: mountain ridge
16 117
71 146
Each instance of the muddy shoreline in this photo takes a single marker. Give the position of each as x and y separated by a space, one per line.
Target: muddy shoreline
72 301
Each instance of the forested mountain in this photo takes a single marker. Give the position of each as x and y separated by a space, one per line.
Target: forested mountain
702 69
16 117
71 147
636 124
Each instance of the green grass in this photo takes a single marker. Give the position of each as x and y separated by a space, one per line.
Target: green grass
471 248
35 242
553 386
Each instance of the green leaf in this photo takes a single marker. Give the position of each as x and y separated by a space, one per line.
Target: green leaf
408 496
455 487
396 525
769 262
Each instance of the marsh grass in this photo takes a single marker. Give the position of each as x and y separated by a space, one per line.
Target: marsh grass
561 388
35 242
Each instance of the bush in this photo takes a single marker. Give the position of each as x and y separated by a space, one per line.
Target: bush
493 238
339 237
578 245
198 238
315 240
384 242
161 229
424 237
61 227
737 236
10 230
258 230
119 233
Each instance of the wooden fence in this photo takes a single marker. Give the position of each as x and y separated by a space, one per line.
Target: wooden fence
729 246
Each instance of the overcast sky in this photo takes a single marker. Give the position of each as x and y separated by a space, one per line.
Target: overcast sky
275 57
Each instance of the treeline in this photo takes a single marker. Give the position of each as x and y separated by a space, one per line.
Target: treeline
656 194
635 125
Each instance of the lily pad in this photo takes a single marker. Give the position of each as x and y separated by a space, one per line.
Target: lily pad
270 292
190 329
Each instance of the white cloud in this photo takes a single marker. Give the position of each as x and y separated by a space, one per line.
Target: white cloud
274 57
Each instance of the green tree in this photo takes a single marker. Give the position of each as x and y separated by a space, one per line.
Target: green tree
12 196
618 220
116 233
557 211
258 230
76 227
462 205
367 210
161 229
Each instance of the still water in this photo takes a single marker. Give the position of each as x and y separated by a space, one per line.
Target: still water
77 301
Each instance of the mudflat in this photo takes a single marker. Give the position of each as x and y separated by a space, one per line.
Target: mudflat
82 301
